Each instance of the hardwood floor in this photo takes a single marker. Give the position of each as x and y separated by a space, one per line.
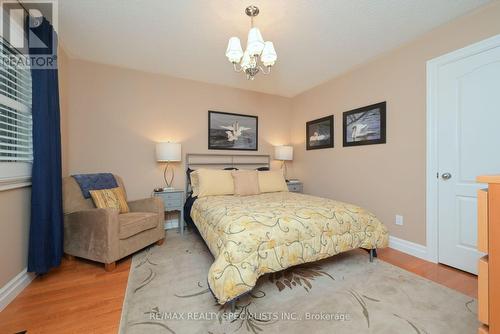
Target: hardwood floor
452 278
80 297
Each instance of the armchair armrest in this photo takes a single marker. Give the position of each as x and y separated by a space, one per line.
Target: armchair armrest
92 234
153 204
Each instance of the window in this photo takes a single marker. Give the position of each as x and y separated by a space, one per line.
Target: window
16 146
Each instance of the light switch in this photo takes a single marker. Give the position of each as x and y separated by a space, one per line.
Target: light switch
399 220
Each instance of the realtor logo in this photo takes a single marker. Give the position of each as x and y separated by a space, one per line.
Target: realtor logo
35 47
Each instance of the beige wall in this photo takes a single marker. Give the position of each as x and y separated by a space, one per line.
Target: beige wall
116 115
14 232
387 179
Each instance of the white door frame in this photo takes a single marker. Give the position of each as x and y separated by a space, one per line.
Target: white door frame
433 66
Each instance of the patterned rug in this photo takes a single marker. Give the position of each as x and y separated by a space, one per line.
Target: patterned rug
167 293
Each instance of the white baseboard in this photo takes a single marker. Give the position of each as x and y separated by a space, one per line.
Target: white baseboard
408 247
10 290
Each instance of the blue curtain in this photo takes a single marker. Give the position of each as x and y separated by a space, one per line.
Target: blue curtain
46 229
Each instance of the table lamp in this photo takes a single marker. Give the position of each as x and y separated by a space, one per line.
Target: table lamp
283 153
168 152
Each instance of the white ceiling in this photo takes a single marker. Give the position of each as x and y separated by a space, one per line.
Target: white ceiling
315 39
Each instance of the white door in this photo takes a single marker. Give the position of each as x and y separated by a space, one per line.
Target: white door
468 107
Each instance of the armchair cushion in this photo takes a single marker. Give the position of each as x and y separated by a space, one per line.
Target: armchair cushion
110 198
136 222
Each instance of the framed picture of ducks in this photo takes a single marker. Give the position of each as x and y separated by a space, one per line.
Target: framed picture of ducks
319 133
227 131
365 126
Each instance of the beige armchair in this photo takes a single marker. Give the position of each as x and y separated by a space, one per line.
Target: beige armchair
104 235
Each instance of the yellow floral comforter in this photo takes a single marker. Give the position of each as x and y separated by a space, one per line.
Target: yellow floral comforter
253 235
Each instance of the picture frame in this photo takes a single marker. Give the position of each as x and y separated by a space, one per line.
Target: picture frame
365 126
230 131
320 133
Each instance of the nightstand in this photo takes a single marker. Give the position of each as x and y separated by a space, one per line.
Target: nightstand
173 201
295 187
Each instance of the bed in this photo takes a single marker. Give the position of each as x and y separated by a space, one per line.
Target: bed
250 236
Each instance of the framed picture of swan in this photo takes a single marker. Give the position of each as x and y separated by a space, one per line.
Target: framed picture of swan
227 131
319 133
365 126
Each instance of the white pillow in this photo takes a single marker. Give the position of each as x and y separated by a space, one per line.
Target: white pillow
272 181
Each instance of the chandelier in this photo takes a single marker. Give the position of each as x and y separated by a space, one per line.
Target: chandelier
259 56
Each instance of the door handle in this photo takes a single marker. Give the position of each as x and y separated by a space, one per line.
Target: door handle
446 176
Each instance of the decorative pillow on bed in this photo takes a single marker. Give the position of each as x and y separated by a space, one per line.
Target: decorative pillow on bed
213 182
246 182
193 180
113 198
272 181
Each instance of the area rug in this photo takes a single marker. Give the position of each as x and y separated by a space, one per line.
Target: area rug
167 293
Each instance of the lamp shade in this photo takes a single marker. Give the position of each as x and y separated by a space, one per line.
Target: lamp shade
269 55
255 42
283 153
168 152
234 51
